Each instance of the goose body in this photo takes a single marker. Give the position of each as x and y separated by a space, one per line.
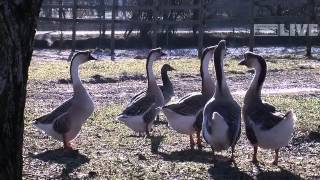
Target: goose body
141 112
166 86
222 114
185 116
265 126
64 123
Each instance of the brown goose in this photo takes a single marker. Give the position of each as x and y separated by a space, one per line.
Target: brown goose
265 127
166 86
222 114
140 113
185 116
64 123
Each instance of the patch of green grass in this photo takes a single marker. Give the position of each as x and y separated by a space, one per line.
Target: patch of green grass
52 70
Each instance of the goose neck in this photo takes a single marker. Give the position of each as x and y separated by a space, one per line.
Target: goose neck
165 78
74 71
207 82
150 75
222 88
256 84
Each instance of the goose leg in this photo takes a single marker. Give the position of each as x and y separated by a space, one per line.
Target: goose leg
66 144
199 140
254 158
214 157
275 162
232 154
147 131
191 142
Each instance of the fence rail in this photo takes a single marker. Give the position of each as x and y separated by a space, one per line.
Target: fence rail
198 16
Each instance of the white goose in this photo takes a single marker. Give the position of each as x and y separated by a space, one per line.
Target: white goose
222 114
185 116
64 123
141 112
265 127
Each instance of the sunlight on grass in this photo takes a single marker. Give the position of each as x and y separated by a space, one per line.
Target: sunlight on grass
52 70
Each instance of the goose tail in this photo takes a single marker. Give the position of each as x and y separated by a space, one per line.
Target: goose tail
290 116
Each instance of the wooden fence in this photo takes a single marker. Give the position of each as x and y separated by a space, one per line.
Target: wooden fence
200 16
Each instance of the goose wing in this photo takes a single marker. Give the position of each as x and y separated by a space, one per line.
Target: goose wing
137 96
62 123
230 111
139 106
266 115
189 105
49 118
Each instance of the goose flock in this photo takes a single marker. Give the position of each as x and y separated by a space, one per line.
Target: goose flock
213 111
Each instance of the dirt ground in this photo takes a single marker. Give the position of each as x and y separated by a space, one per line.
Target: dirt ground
106 149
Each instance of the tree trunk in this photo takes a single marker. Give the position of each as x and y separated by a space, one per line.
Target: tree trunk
17 29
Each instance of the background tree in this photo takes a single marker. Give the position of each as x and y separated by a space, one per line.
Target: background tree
17 29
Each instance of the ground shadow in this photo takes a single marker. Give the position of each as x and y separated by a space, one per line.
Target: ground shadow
155 143
99 79
313 136
283 174
188 155
226 170
71 159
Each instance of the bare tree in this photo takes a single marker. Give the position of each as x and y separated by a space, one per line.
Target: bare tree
17 29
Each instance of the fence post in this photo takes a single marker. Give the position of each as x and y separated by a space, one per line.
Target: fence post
311 16
60 25
251 38
112 45
74 23
200 24
154 23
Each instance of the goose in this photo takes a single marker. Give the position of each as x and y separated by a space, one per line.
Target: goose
141 112
222 114
185 116
64 123
166 86
265 126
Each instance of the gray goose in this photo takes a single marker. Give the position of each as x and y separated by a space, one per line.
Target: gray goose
222 114
64 123
140 113
265 126
166 86
185 116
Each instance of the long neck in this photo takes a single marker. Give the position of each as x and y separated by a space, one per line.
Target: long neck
254 91
74 71
207 82
150 75
222 89
165 79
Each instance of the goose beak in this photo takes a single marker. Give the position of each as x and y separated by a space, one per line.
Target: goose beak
162 54
242 62
91 57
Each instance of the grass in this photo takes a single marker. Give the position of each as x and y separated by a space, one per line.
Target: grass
51 70
109 150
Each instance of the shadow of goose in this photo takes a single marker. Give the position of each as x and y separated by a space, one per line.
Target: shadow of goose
226 170
283 174
188 156
155 143
71 159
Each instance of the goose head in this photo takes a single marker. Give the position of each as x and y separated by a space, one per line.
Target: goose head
83 57
252 60
166 68
220 52
155 54
206 56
